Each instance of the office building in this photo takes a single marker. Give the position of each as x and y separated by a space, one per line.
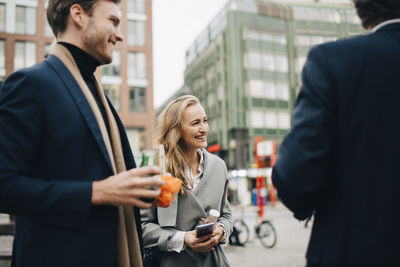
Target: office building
245 67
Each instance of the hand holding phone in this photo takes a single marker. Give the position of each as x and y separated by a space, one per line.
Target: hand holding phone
204 229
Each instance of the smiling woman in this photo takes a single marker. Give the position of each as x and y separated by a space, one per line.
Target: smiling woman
183 130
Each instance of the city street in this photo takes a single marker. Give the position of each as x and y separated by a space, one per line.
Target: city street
288 252
290 248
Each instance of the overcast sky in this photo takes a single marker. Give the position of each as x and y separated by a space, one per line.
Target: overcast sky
176 24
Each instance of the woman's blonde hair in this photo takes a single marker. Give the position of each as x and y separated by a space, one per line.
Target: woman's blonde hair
170 136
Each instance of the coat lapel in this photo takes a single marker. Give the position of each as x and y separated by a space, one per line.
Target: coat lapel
76 93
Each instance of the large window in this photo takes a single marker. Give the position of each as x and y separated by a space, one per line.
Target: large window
266 61
137 6
137 66
136 32
114 68
25 20
24 55
113 91
137 99
2 17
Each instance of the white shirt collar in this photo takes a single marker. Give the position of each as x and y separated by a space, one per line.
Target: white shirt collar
387 22
196 178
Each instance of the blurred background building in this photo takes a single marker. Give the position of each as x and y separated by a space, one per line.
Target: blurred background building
26 38
245 68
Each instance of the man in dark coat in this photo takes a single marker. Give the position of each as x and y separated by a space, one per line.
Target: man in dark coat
66 168
341 158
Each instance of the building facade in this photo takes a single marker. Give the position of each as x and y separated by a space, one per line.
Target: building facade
245 67
26 38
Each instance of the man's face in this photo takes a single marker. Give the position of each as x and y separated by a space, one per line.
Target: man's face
101 32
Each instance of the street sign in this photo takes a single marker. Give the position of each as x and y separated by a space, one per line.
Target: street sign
265 148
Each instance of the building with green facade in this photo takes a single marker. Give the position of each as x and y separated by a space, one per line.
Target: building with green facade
245 67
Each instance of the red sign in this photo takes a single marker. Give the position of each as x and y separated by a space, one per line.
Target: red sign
214 148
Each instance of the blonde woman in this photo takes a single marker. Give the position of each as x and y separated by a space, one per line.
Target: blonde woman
183 131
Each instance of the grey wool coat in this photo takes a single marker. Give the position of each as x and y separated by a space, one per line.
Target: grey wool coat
160 224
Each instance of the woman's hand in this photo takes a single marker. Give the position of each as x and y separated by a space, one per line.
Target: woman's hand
204 243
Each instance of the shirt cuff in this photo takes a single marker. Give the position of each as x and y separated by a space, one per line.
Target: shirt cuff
176 243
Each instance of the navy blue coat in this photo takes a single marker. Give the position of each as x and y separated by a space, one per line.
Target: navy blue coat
342 155
51 150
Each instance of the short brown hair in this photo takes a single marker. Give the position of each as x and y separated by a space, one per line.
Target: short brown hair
373 12
58 12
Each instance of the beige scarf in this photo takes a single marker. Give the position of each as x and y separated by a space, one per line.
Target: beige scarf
128 246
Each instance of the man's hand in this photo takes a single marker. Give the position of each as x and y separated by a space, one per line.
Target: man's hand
129 188
204 243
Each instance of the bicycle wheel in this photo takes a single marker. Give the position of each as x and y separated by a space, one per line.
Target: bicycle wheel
267 234
243 230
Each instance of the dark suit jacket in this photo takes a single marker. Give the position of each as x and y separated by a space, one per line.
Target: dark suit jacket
51 150
342 156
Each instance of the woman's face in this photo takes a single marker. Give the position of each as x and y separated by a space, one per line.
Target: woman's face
194 127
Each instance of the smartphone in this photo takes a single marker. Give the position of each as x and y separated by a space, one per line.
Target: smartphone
204 229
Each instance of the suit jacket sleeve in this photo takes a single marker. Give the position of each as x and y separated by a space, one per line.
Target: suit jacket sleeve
304 163
21 193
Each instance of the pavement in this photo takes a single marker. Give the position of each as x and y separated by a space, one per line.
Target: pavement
292 240
288 252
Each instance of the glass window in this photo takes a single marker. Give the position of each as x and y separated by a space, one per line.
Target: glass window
25 20
137 99
268 62
269 90
2 59
114 68
136 66
281 63
254 60
282 90
137 140
136 33
270 120
113 91
256 88
137 6
2 17
48 32
300 63
283 120
24 55
256 119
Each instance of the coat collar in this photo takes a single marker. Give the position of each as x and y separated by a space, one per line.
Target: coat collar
167 216
76 93
389 25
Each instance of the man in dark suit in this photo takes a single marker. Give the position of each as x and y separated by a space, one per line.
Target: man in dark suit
341 158
66 168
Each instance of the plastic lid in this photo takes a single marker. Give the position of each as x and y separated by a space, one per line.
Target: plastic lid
214 213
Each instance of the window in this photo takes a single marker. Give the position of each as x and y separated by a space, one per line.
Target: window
256 119
137 140
136 33
113 91
283 120
114 68
137 6
281 63
282 91
270 120
48 32
25 20
2 60
24 55
2 17
137 66
137 99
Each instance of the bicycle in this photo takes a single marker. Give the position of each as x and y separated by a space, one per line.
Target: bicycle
265 231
